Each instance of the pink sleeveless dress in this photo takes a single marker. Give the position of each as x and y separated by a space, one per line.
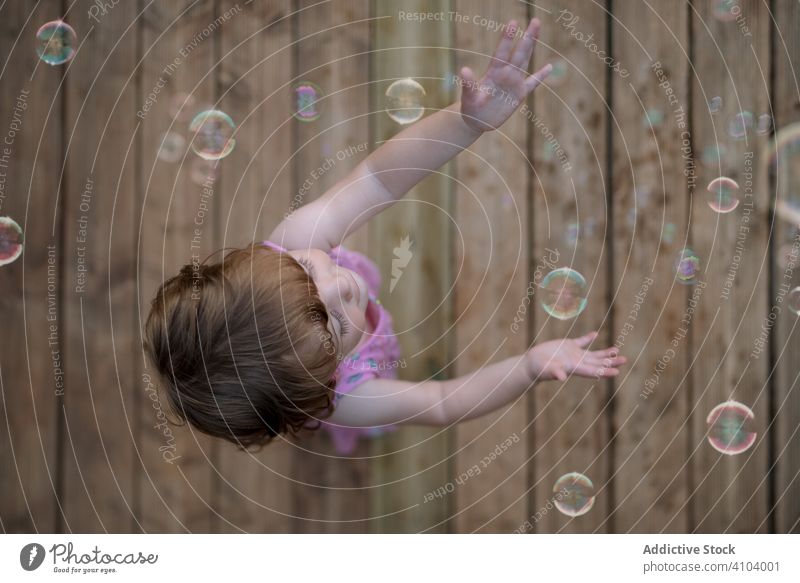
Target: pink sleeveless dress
378 355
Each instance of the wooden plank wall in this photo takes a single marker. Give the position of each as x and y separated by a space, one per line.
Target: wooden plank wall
603 173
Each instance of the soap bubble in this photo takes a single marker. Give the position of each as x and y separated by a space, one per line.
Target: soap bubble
564 293
11 240
55 42
404 100
715 104
571 234
548 152
726 10
724 194
653 117
203 172
558 74
306 96
687 266
668 234
740 125
181 106
573 494
793 301
172 147
763 124
731 428
713 155
212 134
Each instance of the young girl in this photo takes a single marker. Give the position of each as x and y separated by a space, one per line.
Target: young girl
289 334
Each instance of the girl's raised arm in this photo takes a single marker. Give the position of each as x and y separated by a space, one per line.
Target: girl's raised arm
392 170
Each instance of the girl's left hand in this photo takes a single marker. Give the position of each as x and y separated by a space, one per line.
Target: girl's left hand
487 103
557 359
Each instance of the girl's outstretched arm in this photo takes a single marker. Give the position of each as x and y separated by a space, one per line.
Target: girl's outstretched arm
442 403
392 170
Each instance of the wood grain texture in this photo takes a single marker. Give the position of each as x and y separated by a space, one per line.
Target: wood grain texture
176 483
650 205
571 420
31 385
729 493
491 257
413 461
786 394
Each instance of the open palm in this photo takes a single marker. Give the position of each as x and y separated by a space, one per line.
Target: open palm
557 359
487 103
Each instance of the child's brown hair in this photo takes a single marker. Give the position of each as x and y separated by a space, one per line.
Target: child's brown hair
243 346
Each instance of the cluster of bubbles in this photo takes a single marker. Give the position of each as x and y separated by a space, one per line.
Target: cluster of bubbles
563 293
731 428
306 98
573 494
11 240
405 101
56 42
212 134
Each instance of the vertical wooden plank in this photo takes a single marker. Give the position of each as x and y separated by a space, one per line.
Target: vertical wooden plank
331 492
98 276
412 461
492 208
651 112
729 493
176 479
254 191
31 381
786 104
571 421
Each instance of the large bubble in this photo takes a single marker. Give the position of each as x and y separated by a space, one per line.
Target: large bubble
404 101
306 96
56 42
687 266
731 428
11 240
573 494
212 134
723 194
563 293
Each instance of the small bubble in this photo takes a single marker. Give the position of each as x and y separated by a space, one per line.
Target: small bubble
724 194
715 104
713 155
11 240
668 234
404 101
793 300
55 42
726 10
571 235
558 74
212 137
740 125
763 124
653 117
573 494
687 266
564 293
306 96
730 428
172 147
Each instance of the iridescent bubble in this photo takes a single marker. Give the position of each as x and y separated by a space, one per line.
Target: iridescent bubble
11 240
573 494
653 117
306 96
715 104
793 301
713 155
56 42
571 234
558 74
668 234
212 137
181 106
172 147
726 10
763 124
404 101
203 172
740 125
687 266
564 293
731 428
724 194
